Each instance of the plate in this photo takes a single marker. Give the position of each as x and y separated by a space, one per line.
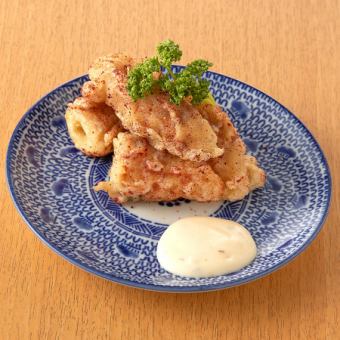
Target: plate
51 184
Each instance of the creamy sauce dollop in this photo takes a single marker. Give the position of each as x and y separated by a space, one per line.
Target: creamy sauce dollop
205 246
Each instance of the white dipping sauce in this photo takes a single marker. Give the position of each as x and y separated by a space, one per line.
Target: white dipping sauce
205 246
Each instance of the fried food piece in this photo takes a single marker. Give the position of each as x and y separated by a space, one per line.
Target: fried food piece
179 129
92 126
140 172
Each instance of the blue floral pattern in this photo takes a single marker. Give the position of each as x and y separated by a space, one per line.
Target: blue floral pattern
51 183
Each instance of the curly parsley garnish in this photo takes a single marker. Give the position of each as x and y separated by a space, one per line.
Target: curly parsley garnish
156 72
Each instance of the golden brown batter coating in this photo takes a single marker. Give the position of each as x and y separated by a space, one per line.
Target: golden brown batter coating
169 151
238 171
92 126
179 129
140 172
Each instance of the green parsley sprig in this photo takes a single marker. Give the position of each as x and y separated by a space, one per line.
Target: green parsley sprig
156 72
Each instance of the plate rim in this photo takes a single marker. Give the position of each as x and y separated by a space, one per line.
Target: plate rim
161 288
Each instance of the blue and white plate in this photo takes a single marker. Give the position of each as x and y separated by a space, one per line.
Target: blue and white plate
51 184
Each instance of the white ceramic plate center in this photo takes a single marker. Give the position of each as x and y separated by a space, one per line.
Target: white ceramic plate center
169 212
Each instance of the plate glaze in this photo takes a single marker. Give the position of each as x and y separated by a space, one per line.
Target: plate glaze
51 184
